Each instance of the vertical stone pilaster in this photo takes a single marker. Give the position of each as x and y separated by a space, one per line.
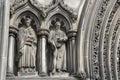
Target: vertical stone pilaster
41 55
4 28
72 53
11 52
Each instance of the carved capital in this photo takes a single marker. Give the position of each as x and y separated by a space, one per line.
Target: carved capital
72 33
13 31
43 32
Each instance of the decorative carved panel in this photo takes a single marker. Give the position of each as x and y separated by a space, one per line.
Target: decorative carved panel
90 46
42 39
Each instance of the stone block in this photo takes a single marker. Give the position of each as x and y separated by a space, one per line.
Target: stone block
42 78
33 74
55 75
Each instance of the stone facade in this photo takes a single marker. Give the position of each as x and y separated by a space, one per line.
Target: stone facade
42 40
60 40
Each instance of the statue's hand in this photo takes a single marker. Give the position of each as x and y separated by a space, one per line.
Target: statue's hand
29 40
35 43
30 37
61 40
52 44
65 38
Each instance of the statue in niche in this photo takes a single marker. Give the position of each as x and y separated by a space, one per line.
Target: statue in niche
57 39
27 44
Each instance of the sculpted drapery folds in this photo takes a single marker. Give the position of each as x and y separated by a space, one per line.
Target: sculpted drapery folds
57 40
27 44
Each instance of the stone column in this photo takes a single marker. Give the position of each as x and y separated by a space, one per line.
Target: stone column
41 55
72 53
4 28
11 52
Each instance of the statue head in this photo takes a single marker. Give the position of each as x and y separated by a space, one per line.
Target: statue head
28 21
57 24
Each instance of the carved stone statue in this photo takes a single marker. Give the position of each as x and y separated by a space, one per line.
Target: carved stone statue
57 40
27 41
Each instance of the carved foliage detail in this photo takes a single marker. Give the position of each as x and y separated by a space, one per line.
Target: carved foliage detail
96 39
113 45
95 60
106 38
118 58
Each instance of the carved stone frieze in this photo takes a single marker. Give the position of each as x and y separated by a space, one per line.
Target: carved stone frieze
106 38
99 57
97 29
118 58
113 45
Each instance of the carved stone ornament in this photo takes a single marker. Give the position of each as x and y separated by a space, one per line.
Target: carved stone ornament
41 32
27 44
57 40
53 40
44 10
13 31
43 39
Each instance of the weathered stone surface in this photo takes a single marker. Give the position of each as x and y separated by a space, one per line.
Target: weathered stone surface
31 42
45 78
4 28
28 74
27 43
59 74
92 48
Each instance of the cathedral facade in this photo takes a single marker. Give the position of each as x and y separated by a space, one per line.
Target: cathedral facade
59 40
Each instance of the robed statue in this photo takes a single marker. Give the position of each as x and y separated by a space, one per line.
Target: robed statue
27 44
57 39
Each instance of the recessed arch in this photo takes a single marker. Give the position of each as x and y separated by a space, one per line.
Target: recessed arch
60 12
35 21
59 17
93 39
26 10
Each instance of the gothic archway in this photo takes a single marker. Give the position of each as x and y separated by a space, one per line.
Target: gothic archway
100 40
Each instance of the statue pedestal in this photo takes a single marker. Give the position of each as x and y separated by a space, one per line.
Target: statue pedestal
42 78
61 74
31 74
10 75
